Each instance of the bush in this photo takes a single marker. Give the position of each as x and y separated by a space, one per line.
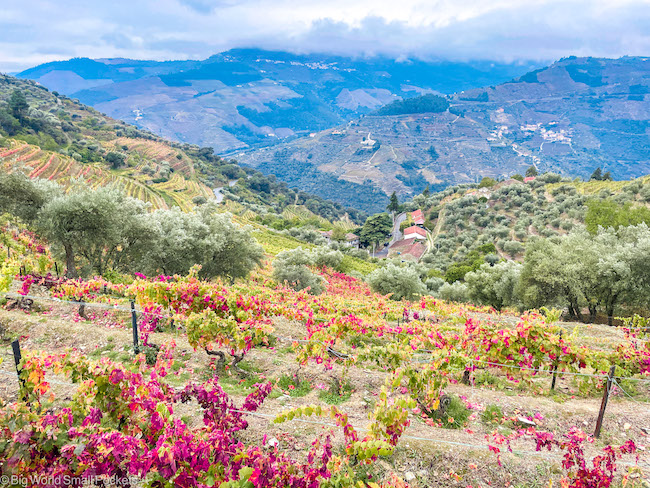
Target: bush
400 282
290 267
321 256
492 414
454 292
454 415
434 284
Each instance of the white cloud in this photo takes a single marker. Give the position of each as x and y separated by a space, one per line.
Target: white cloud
35 31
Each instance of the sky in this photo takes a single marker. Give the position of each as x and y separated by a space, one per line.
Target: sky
37 31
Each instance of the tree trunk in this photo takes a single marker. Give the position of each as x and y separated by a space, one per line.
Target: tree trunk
576 307
593 311
572 312
71 271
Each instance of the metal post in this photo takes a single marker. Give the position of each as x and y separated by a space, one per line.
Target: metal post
603 404
56 268
15 346
134 325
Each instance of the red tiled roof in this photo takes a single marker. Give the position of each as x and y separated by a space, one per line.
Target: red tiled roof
414 229
411 247
351 237
529 178
417 217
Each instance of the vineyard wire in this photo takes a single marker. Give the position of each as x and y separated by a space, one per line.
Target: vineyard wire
424 351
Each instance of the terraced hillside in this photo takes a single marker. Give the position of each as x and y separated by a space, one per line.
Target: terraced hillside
250 97
47 135
571 117
464 217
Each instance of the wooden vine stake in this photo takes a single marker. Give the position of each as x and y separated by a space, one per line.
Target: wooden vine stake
15 346
555 370
603 404
134 325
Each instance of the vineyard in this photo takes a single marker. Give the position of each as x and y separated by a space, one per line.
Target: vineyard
254 384
179 190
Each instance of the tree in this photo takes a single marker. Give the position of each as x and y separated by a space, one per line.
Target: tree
24 197
532 172
607 213
401 283
291 268
622 271
597 175
338 234
426 192
203 237
393 204
8 123
454 292
115 159
487 182
562 269
18 105
101 229
376 229
494 285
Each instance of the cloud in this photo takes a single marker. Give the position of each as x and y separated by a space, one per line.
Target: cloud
35 31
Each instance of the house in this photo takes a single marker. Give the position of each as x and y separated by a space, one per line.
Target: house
368 141
407 249
327 234
417 217
352 240
528 179
415 232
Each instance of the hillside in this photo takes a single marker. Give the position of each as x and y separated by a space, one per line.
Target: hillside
570 117
248 97
250 373
50 136
511 213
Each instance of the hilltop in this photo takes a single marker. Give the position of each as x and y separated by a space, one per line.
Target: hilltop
570 117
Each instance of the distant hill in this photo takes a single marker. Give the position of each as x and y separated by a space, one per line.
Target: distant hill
249 97
48 135
570 117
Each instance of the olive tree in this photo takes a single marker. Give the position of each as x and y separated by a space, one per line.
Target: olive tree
400 282
203 237
97 230
24 197
291 268
494 285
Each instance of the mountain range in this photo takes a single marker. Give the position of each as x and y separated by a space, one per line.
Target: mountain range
355 130
570 117
250 97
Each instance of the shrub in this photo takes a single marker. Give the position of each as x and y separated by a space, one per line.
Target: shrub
454 292
322 256
401 282
454 416
290 267
492 414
